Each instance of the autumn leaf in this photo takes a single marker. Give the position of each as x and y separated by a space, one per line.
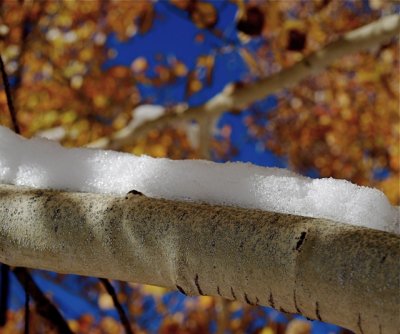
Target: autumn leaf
203 14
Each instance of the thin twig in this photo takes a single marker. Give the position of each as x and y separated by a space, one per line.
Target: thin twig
27 311
111 291
5 270
7 89
43 305
5 287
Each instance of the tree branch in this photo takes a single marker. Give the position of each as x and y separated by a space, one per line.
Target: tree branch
4 269
4 293
111 291
43 305
324 270
10 104
237 96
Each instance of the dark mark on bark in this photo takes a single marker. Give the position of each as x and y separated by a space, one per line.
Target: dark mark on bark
219 291
246 298
281 309
295 302
380 329
196 281
233 294
135 192
307 62
56 228
183 215
301 240
383 258
48 199
359 324
56 214
181 290
317 311
271 300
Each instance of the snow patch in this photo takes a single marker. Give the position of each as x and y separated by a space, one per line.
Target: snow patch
42 163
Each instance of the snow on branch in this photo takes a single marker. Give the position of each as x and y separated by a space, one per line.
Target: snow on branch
328 271
41 163
237 96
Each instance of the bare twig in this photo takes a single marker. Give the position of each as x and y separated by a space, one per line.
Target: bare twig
5 270
5 287
7 89
43 305
27 310
111 291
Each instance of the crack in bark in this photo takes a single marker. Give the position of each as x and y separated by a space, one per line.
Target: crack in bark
246 298
219 291
301 240
233 294
196 281
317 311
295 302
180 289
271 300
281 309
359 324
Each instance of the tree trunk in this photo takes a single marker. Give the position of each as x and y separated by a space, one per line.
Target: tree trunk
324 270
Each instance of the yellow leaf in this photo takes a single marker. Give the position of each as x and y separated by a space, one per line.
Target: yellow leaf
100 101
139 65
153 290
267 330
105 301
206 301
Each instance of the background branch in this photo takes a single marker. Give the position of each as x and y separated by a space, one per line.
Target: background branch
10 103
111 291
5 269
43 305
236 96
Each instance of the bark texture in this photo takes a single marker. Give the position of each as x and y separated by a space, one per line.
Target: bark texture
324 270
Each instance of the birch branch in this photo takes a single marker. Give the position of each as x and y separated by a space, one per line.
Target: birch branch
234 96
324 270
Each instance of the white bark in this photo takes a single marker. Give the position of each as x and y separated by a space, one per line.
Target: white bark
236 97
324 270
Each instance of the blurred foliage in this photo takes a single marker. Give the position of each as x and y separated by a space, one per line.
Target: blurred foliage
342 123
